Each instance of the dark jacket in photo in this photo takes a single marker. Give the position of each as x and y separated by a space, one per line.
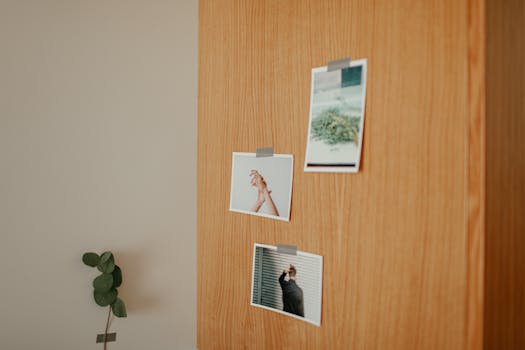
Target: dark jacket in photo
292 296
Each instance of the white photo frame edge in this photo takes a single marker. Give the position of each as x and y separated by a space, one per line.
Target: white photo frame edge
299 252
363 62
287 218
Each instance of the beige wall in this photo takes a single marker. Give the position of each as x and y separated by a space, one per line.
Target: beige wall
97 151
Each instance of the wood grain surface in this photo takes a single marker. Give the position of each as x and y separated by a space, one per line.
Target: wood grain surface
394 236
476 169
505 193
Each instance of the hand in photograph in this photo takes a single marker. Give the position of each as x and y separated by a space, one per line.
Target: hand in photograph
292 293
263 194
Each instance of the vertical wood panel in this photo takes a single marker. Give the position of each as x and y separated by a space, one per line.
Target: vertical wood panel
505 156
475 175
393 236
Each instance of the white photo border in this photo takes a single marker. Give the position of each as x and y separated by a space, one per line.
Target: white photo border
320 284
287 218
342 169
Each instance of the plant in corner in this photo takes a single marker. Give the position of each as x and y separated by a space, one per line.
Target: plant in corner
105 285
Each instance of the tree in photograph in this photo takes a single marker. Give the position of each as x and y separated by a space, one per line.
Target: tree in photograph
334 127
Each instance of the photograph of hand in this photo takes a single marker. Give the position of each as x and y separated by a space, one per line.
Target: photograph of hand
262 186
263 194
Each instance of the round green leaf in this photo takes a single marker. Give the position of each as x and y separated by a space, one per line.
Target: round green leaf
106 263
117 276
106 256
105 298
91 259
103 283
119 309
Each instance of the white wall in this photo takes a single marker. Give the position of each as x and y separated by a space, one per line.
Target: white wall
97 152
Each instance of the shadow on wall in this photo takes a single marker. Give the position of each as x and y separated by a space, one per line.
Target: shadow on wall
134 290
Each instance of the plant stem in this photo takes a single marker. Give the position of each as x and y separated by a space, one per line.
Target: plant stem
107 326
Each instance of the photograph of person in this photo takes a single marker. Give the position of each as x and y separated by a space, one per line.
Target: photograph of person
262 185
290 284
292 293
337 113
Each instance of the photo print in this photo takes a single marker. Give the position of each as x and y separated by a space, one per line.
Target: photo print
262 186
337 113
289 284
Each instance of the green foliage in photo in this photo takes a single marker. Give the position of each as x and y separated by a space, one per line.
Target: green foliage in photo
334 127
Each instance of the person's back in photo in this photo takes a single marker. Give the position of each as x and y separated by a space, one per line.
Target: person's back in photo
292 293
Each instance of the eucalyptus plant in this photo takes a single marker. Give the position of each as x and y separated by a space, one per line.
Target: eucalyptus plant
105 285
